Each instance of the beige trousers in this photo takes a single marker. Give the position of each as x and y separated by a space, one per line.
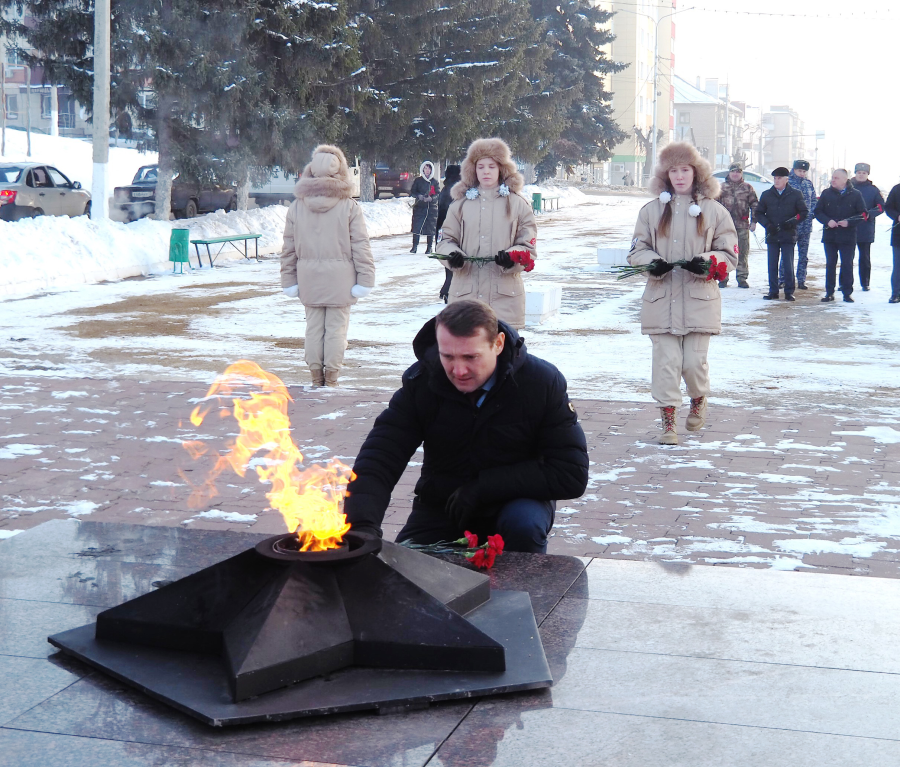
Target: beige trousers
677 357
326 336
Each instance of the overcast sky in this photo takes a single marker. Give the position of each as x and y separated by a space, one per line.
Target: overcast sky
839 74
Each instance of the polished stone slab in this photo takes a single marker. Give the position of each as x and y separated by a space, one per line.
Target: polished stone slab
766 695
774 636
505 733
101 707
25 682
25 625
34 749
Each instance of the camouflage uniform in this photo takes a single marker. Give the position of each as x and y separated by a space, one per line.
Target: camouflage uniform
804 228
739 199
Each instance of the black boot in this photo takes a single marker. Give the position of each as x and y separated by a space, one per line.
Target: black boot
428 240
415 246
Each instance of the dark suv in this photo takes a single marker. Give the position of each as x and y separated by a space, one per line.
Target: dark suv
393 182
188 199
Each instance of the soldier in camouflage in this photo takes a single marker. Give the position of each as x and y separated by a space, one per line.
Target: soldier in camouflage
802 184
739 199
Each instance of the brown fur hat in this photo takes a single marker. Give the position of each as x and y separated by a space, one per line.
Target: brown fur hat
498 150
683 153
327 175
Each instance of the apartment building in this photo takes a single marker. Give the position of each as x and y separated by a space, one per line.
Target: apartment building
636 25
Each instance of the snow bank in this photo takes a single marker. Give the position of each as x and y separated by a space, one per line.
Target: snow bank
74 157
57 252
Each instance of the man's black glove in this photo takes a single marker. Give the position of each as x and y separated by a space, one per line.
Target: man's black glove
659 267
504 259
457 260
695 266
463 505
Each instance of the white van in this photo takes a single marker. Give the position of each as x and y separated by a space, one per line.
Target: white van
280 187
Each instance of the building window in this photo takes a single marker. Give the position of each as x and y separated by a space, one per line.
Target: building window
14 57
45 106
12 107
684 118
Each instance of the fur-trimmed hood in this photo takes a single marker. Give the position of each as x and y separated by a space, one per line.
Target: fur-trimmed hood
432 177
683 153
498 150
326 180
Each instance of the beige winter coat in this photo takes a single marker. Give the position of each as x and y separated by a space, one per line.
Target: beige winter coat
483 227
326 247
681 302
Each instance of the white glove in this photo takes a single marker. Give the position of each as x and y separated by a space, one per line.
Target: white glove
360 291
292 292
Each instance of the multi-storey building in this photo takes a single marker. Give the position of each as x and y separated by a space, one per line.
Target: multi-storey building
709 120
783 137
635 26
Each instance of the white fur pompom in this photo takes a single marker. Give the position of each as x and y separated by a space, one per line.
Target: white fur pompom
503 190
471 193
694 210
664 197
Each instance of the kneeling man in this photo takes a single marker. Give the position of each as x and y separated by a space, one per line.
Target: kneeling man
501 440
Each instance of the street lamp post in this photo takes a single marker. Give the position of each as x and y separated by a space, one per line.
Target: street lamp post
656 83
100 177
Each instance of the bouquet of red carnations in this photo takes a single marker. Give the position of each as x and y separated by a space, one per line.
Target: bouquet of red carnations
713 269
481 556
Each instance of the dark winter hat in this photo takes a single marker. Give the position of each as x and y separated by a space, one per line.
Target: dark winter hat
801 165
735 166
452 173
782 171
862 166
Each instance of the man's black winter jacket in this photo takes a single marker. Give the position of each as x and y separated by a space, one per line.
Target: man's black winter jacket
835 206
778 214
523 442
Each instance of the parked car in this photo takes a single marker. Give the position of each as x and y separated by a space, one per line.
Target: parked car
29 189
188 199
280 187
394 182
759 183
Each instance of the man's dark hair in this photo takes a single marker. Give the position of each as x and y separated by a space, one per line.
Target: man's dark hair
464 318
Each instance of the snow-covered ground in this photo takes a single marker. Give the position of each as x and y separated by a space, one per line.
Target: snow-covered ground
189 327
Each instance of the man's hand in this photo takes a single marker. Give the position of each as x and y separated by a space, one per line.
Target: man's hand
504 260
457 260
696 266
660 267
832 224
462 506
843 223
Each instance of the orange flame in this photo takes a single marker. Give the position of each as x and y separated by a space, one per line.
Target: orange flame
309 498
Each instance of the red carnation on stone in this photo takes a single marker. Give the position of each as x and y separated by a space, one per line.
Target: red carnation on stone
472 540
477 559
495 542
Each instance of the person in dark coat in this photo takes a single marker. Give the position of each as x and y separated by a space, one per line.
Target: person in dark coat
425 190
445 200
865 232
840 209
892 208
780 210
501 439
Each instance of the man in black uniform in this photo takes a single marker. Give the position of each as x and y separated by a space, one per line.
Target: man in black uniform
780 210
502 442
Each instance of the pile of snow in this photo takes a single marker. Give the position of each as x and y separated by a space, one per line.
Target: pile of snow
74 157
58 252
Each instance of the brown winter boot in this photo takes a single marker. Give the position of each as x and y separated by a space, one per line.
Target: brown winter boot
331 377
697 415
318 376
669 435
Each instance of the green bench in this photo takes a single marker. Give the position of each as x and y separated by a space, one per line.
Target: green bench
542 202
233 240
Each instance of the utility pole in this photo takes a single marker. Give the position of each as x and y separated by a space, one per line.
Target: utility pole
100 178
2 101
727 126
28 111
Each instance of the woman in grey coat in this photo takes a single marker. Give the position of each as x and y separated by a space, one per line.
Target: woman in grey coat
425 190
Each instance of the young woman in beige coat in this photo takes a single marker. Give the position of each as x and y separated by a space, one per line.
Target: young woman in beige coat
681 309
489 216
326 260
